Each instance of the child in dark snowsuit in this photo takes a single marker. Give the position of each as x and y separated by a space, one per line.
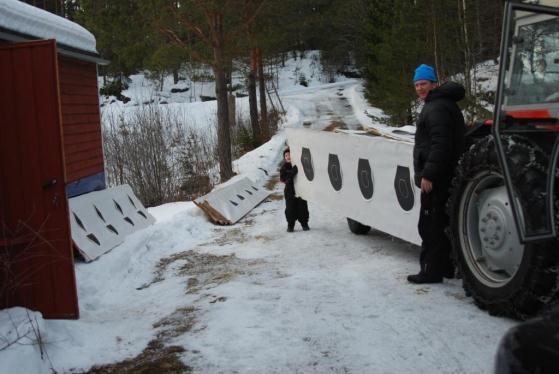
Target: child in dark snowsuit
295 207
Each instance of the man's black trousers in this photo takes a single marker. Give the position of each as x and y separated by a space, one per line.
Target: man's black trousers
296 209
435 247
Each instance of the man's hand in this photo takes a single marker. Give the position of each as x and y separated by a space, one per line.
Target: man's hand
426 185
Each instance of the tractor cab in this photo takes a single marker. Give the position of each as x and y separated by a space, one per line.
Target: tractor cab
528 106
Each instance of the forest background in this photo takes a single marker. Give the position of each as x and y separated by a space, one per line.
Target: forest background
381 41
384 39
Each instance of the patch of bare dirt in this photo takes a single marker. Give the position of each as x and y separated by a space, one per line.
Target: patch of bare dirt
202 269
272 182
179 322
264 238
206 270
235 235
156 358
203 272
262 212
275 197
422 290
335 124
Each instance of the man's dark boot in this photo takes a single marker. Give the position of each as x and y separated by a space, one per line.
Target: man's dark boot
290 227
422 278
305 226
449 273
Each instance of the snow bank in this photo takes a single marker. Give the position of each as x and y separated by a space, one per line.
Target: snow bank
262 162
142 90
19 329
26 19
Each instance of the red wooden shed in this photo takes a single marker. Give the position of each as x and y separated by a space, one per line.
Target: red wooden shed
50 150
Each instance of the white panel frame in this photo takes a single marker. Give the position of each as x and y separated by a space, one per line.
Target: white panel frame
236 199
98 224
383 211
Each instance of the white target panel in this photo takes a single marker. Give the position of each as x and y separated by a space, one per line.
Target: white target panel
231 202
101 220
366 178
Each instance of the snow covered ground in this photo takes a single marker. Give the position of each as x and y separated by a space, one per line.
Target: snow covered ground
252 298
257 299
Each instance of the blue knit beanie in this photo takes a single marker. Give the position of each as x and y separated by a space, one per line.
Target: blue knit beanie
425 72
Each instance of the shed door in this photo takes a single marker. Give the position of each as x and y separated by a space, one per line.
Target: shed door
34 226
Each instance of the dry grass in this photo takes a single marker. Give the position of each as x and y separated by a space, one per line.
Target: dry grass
156 358
275 197
205 270
272 182
176 324
235 235
264 238
335 124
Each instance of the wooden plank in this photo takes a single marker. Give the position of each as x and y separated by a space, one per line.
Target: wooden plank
82 123
58 262
33 134
84 155
75 81
87 172
85 78
95 162
81 109
86 149
68 119
82 138
212 213
78 147
12 196
79 99
80 128
10 165
78 67
30 269
73 89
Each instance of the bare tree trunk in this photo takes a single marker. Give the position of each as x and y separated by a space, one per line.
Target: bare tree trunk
435 42
232 105
223 128
467 48
263 107
252 96
230 97
479 31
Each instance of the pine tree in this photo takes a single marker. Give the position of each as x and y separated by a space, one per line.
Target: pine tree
123 37
212 33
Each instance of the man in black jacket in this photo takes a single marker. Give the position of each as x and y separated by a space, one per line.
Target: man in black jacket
295 207
439 142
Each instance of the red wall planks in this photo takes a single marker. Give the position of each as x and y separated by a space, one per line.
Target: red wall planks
81 120
31 157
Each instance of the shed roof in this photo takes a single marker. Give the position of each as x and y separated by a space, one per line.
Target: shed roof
20 21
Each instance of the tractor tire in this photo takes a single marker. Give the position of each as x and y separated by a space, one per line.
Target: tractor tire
357 227
502 275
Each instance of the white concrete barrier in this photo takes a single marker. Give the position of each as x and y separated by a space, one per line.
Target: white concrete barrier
230 203
101 220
